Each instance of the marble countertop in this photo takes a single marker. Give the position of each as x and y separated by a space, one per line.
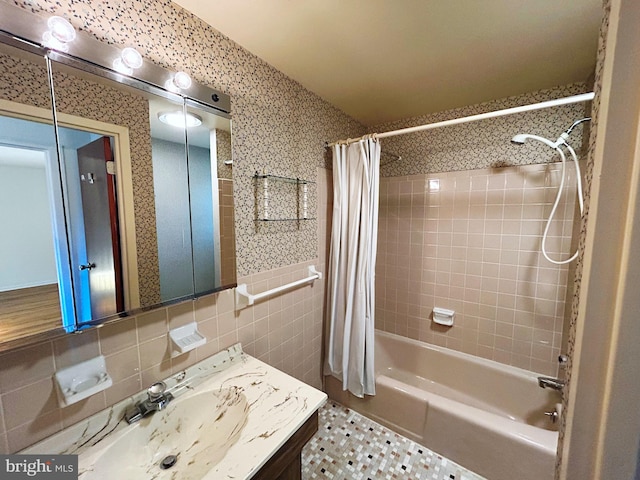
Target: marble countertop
276 404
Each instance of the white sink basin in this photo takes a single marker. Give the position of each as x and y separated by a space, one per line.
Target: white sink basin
197 429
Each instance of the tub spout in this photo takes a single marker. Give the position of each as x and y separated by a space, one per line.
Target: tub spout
548 382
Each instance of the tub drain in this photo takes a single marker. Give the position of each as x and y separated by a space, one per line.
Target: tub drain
168 461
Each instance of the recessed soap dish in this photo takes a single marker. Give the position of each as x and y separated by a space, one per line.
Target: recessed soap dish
443 316
82 380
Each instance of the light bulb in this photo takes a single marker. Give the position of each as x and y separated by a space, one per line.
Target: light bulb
131 58
59 34
120 67
171 86
49 41
61 29
182 80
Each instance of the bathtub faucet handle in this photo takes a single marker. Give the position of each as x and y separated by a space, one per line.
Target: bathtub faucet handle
553 416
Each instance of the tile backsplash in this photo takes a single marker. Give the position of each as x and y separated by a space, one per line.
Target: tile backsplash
470 241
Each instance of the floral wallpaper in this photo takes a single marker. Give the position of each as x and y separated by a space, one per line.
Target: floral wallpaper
23 81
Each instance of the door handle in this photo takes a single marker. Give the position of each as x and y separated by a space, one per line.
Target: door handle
88 266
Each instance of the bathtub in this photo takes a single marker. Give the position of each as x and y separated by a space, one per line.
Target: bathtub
483 415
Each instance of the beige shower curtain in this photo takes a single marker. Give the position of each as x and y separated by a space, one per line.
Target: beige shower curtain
350 278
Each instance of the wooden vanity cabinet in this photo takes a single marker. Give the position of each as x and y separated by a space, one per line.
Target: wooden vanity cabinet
286 463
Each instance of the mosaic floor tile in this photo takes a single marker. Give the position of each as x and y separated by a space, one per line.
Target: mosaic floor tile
349 446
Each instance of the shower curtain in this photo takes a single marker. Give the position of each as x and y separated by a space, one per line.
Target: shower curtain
350 279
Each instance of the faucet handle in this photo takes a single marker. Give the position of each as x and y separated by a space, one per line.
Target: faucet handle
553 415
156 391
133 415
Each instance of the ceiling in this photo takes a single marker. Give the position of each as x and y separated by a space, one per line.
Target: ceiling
383 60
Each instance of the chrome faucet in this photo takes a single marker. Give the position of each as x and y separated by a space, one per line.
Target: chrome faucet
548 382
157 399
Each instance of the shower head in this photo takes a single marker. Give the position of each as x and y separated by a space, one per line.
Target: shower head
519 139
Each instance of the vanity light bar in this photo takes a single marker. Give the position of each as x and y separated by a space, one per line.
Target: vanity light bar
89 54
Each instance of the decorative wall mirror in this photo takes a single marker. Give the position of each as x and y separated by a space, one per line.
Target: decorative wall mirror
111 193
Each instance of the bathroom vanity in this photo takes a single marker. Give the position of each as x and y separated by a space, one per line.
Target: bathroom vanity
232 416
285 464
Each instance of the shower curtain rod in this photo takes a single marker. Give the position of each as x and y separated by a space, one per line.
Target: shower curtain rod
583 97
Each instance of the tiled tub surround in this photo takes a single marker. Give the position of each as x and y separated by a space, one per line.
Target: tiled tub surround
483 415
470 241
277 406
284 331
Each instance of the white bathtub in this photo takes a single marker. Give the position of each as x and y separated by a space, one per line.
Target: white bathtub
484 415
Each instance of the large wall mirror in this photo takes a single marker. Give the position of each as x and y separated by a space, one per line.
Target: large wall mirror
116 199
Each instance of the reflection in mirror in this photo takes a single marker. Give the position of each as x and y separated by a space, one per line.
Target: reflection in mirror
89 202
190 197
95 155
171 187
34 265
160 213
130 208
209 142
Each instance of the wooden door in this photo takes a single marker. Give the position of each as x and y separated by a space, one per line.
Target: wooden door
100 213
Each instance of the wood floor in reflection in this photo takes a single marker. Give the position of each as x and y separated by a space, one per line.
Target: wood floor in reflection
29 311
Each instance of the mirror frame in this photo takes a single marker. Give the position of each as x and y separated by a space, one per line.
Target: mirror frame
23 30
